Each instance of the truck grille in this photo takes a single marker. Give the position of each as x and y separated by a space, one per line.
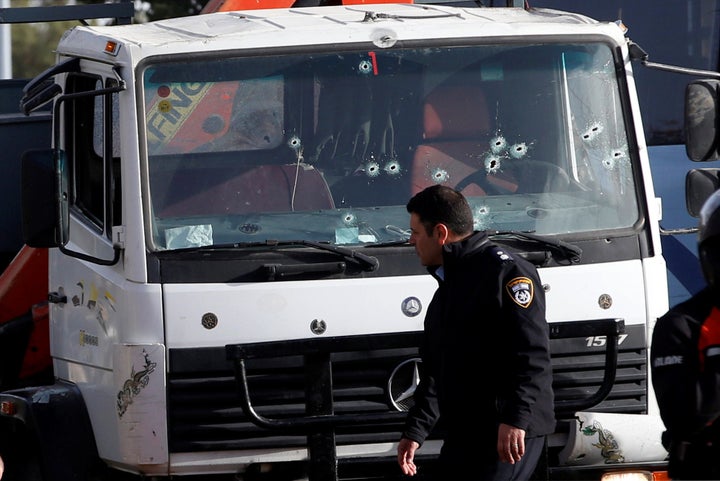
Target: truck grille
204 403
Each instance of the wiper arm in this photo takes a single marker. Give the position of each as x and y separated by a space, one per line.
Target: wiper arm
570 251
366 262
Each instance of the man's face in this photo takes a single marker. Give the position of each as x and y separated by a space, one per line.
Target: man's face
427 247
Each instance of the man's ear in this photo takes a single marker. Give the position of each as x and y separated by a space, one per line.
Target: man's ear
443 234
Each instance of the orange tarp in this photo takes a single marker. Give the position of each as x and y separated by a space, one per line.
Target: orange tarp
23 289
230 5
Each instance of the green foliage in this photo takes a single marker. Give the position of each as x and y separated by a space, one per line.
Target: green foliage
33 44
33 47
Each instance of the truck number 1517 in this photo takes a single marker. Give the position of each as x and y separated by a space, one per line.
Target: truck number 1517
600 341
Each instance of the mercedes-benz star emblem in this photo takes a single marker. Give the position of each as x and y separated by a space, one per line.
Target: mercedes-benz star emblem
411 306
318 326
403 382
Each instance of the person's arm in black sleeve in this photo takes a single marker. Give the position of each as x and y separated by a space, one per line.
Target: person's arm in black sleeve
422 416
674 372
530 371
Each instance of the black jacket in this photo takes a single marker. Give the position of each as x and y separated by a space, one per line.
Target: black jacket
686 368
485 352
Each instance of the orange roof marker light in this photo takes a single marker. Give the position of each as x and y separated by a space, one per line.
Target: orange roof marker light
112 48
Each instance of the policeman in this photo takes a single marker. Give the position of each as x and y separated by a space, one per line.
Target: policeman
685 355
486 374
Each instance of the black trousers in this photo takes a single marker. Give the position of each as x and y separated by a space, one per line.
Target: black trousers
466 462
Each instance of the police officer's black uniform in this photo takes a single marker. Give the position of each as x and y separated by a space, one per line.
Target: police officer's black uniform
485 356
685 369
685 360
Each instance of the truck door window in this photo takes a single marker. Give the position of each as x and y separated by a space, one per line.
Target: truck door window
94 153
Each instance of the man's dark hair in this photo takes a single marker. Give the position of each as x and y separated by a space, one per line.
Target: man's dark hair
439 204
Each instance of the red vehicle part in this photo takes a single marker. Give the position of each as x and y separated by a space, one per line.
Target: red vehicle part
23 300
230 5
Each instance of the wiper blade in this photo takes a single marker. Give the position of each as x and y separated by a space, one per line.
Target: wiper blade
570 251
391 243
366 262
398 231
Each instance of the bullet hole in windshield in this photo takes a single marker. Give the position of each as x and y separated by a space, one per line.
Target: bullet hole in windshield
492 163
481 218
294 142
519 151
392 168
618 154
372 169
500 152
365 67
498 144
493 157
592 132
440 175
615 158
349 219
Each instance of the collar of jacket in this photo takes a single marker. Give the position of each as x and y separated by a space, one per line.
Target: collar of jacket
471 244
475 242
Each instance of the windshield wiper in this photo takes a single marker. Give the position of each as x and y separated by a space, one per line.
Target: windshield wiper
570 251
279 271
364 261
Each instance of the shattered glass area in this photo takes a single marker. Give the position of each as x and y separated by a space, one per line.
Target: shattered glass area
330 147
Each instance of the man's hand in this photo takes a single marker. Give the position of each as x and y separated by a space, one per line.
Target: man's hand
406 456
510 444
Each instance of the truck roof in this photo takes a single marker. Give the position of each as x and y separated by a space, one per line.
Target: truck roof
383 24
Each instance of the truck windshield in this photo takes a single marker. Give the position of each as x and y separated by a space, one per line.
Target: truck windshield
329 147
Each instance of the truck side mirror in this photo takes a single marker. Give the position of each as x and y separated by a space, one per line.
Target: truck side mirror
699 185
44 198
702 121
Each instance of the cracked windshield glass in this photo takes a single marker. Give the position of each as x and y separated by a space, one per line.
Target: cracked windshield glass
329 147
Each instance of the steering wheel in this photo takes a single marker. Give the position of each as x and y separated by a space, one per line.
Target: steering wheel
532 177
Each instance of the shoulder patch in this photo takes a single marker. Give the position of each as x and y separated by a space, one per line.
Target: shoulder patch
521 290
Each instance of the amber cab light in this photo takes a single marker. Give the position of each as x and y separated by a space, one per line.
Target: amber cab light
8 408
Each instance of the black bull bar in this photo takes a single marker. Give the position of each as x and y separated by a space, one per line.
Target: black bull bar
319 421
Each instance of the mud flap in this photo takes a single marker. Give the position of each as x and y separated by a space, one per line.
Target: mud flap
51 423
14 338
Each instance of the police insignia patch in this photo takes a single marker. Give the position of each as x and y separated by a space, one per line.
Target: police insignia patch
521 290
